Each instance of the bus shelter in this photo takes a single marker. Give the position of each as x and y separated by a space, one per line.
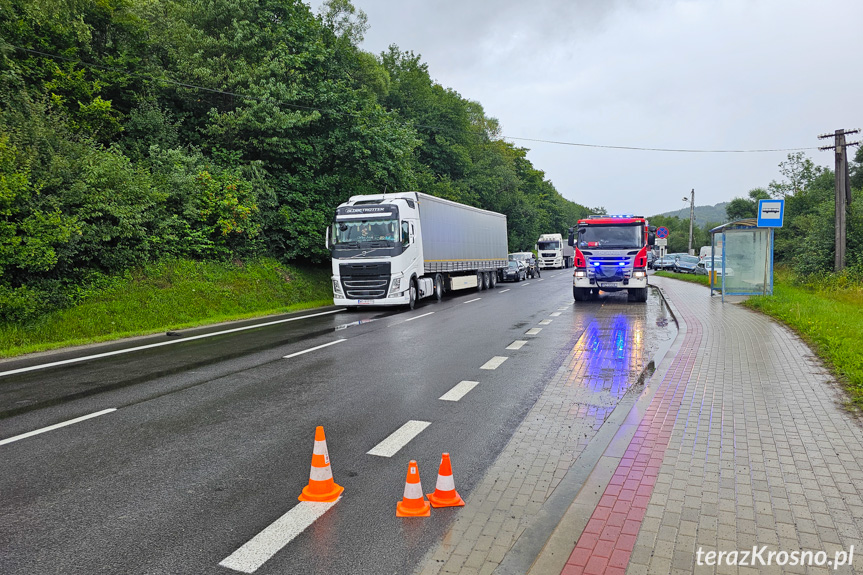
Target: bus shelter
741 259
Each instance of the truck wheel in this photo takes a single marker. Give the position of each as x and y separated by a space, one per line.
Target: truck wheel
486 280
479 282
438 287
413 295
492 279
579 294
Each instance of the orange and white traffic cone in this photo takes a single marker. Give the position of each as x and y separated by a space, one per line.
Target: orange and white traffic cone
413 503
445 494
321 486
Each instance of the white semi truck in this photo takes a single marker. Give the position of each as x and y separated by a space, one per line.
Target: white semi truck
394 249
549 250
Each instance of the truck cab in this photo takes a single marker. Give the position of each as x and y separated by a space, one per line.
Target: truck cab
611 255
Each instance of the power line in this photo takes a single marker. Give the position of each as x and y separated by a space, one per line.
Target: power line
645 149
340 113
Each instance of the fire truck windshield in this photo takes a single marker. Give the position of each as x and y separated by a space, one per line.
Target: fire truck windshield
611 236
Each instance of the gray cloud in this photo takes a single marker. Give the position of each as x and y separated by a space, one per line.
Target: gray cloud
701 74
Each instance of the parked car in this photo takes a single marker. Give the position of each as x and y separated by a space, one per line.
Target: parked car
650 257
706 266
664 263
515 271
685 264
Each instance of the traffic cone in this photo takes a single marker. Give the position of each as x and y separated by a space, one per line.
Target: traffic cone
445 494
413 504
321 486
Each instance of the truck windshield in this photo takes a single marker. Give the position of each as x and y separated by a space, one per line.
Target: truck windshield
612 236
555 245
369 233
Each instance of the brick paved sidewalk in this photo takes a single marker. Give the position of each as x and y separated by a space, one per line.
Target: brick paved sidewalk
744 445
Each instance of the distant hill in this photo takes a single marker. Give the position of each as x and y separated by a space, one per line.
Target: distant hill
703 214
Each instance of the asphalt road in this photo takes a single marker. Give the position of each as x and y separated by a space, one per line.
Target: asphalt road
212 436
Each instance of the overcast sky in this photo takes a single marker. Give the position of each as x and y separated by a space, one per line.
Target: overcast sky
681 74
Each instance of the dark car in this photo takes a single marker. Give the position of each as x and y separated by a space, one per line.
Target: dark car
685 264
650 258
515 271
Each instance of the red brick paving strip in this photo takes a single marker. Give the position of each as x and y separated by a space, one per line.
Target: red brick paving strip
606 543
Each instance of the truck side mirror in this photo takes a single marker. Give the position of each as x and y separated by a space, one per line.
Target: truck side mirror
651 239
571 239
327 237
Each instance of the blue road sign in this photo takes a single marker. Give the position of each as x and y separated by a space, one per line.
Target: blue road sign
662 232
770 213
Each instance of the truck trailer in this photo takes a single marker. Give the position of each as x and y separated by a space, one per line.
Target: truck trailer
611 255
394 249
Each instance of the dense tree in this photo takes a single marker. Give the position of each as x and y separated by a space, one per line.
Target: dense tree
134 131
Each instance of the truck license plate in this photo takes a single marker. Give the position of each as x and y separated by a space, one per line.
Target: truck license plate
365 301
602 285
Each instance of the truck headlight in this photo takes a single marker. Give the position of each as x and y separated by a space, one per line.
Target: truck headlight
337 289
639 274
581 274
397 282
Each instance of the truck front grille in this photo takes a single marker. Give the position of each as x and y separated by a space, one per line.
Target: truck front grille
365 280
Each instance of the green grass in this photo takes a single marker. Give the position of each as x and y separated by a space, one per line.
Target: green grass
696 279
173 295
830 320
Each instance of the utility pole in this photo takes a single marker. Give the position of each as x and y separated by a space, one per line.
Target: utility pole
691 217
843 191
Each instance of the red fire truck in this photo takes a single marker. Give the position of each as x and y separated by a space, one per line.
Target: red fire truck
611 255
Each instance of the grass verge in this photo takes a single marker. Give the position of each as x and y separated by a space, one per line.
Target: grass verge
693 278
173 295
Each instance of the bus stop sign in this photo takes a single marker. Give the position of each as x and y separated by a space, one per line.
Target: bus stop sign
770 213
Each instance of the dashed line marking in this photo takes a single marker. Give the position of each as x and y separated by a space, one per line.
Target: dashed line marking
525 284
459 391
506 290
494 362
57 426
533 331
259 549
473 300
517 344
545 322
555 314
398 438
419 316
314 348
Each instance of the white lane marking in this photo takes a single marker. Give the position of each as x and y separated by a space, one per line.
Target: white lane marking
459 391
161 343
517 344
472 300
525 284
494 362
555 314
314 348
533 331
539 280
57 426
419 316
563 308
545 322
398 438
504 291
259 549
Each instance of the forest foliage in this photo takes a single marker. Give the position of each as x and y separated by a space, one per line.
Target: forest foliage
142 131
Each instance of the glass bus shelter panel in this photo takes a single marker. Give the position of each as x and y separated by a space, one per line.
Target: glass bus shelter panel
746 260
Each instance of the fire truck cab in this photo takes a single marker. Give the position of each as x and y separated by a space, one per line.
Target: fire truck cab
611 255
